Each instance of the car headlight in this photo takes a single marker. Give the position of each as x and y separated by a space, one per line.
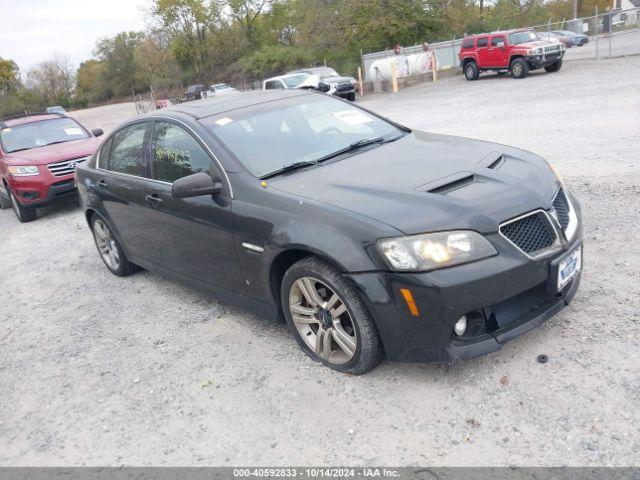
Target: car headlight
434 250
23 170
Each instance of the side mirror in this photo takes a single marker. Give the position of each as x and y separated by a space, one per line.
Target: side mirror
196 185
323 87
97 132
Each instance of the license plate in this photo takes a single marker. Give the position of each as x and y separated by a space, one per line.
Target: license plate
569 267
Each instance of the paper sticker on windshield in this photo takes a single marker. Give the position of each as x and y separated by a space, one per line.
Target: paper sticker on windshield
73 131
223 121
352 117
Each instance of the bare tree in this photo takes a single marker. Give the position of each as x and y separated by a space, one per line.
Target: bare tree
53 79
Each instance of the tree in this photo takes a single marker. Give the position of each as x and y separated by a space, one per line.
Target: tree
9 76
53 80
120 67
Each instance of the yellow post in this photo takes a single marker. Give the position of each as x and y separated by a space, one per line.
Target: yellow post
360 88
394 76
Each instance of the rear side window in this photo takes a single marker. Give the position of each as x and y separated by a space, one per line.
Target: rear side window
467 42
496 40
273 85
127 150
176 153
483 42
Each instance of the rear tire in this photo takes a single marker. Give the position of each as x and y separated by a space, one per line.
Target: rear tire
519 68
554 67
471 71
24 214
332 324
109 248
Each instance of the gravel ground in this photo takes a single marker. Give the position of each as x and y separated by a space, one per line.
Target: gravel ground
99 370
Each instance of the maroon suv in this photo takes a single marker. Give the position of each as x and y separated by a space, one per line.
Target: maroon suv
38 158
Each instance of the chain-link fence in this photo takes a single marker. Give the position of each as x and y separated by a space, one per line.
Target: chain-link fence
610 34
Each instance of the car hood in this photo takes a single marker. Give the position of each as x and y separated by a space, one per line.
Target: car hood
54 153
539 43
428 182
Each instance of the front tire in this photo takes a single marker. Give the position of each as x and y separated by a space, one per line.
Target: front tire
519 68
109 249
351 97
24 214
328 318
554 67
471 71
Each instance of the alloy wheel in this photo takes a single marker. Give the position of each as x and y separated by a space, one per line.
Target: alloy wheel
322 320
106 244
517 70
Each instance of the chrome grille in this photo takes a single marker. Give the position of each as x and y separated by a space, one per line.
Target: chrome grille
552 48
67 167
532 233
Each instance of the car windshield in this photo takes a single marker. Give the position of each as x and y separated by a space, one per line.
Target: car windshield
294 80
523 37
271 136
40 133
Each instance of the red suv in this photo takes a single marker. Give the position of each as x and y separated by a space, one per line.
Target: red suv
515 51
38 158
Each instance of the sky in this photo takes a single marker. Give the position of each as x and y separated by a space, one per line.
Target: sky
32 31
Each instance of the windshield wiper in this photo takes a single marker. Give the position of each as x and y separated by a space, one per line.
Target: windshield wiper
358 144
288 168
54 143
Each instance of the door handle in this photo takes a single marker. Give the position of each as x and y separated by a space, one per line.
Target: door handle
153 201
102 184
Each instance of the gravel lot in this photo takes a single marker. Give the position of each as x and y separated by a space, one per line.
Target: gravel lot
99 370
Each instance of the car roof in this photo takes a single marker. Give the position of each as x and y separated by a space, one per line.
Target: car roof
514 30
23 119
233 101
286 75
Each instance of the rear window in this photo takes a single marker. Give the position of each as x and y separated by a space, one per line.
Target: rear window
496 40
483 42
467 42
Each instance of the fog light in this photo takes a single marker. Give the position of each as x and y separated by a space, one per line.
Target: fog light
461 326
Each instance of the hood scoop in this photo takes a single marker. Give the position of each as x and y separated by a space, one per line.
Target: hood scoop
492 161
448 184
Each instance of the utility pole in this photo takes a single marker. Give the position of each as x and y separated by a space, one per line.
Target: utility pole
575 8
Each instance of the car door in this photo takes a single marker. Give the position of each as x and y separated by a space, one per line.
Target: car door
482 45
193 236
497 52
118 185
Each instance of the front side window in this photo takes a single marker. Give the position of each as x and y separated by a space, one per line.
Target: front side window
497 40
127 150
40 134
176 153
273 135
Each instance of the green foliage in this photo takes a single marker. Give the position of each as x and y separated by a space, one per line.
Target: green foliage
273 60
9 76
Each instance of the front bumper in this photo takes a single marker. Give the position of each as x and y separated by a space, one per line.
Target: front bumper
43 189
509 294
539 61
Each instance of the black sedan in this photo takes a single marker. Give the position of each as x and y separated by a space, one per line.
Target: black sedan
370 239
